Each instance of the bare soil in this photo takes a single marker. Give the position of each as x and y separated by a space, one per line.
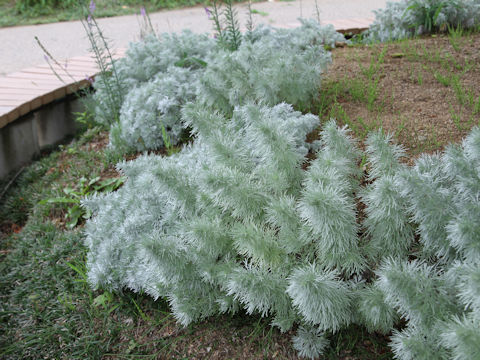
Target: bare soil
411 102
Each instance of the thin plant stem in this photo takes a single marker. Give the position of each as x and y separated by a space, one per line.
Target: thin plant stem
249 24
317 10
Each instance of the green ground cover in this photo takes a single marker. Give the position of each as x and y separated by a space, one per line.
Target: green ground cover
30 12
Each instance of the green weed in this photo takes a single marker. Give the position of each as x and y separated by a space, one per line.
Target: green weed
442 79
419 78
456 36
476 108
372 94
375 64
457 119
74 195
327 97
259 12
356 88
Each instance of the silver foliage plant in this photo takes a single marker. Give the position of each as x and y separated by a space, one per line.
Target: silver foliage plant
151 56
439 295
406 18
270 66
159 76
153 107
239 219
227 223
147 59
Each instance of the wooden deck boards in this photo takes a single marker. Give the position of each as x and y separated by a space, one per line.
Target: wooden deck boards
24 91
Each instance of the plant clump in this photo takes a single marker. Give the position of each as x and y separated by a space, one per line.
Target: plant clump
407 18
315 236
233 221
159 76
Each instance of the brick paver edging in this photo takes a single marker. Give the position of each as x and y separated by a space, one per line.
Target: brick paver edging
27 90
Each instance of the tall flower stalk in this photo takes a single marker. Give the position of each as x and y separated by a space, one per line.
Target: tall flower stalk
105 62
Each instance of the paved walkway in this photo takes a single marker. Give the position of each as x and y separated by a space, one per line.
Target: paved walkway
67 39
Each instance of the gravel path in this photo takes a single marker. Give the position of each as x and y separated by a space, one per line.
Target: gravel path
67 39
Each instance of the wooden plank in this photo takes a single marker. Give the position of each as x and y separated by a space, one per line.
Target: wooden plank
42 80
359 22
346 26
66 76
47 92
46 85
82 84
21 106
5 110
13 83
10 114
36 80
19 96
13 115
48 97
72 63
71 67
8 91
83 65
84 59
352 31
47 78
29 89
4 119
11 102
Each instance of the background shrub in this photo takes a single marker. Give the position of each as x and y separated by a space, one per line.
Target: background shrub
44 6
407 18
159 76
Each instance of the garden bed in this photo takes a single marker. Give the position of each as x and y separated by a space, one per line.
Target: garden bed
423 91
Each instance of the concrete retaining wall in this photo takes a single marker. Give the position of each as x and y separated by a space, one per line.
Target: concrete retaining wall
24 138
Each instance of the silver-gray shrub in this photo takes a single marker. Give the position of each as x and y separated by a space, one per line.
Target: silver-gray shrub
310 33
270 66
406 18
438 293
240 219
387 222
219 225
145 59
152 55
159 76
152 109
